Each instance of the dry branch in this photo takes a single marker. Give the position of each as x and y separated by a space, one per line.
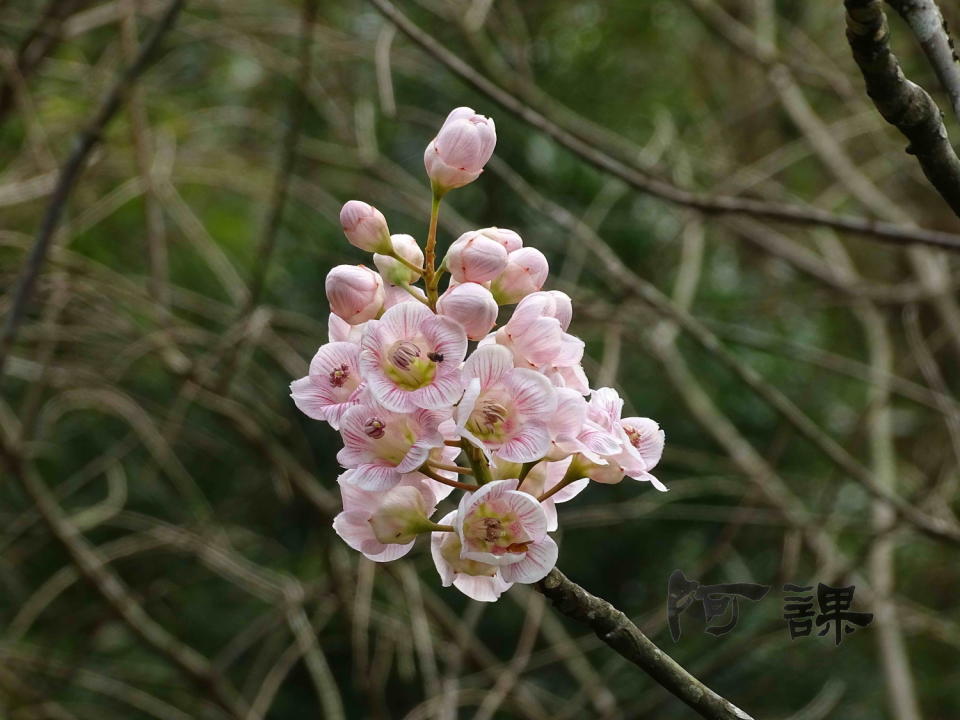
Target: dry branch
617 631
644 182
902 103
87 140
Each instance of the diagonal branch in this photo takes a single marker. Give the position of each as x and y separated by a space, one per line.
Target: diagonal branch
617 631
926 21
658 187
70 173
902 103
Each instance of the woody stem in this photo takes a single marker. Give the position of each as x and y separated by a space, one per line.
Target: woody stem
451 468
430 255
424 469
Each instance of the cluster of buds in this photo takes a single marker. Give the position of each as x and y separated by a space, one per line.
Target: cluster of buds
514 425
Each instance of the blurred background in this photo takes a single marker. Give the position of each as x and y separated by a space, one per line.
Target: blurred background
166 548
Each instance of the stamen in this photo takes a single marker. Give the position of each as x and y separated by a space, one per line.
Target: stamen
633 435
491 529
435 357
338 376
403 354
493 414
375 428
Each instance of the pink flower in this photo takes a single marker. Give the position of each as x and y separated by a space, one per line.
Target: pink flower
474 579
472 306
384 526
354 292
391 269
508 238
331 387
526 272
505 410
410 358
365 227
542 478
339 330
499 526
456 156
379 446
535 332
641 443
474 257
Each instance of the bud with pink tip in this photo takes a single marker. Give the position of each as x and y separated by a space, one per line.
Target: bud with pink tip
474 257
525 273
508 238
391 269
456 156
472 306
365 227
355 293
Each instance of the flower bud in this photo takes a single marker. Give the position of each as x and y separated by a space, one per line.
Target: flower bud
401 516
525 273
355 293
508 238
456 156
365 227
475 258
472 306
391 269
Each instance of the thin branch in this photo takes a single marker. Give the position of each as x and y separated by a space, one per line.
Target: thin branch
617 631
88 139
708 204
901 102
926 21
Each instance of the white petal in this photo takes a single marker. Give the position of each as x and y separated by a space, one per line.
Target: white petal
403 321
531 443
538 562
531 393
372 477
355 530
482 588
489 364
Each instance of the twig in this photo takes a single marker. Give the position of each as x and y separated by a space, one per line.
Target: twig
901 102
926 21
617 631
708 204
70 173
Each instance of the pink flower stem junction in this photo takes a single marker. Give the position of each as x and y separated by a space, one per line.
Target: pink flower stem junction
478 462
406 263
571 476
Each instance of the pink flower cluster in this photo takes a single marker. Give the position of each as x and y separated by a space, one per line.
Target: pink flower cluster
513 424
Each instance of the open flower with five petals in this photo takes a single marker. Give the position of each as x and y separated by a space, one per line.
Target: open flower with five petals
410 358
379 446
505 410
332 385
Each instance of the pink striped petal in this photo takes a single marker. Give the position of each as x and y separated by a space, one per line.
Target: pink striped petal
540 559
489 364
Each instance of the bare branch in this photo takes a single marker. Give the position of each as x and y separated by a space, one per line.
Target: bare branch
88 139
617 631
902 103
926 21
644 182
